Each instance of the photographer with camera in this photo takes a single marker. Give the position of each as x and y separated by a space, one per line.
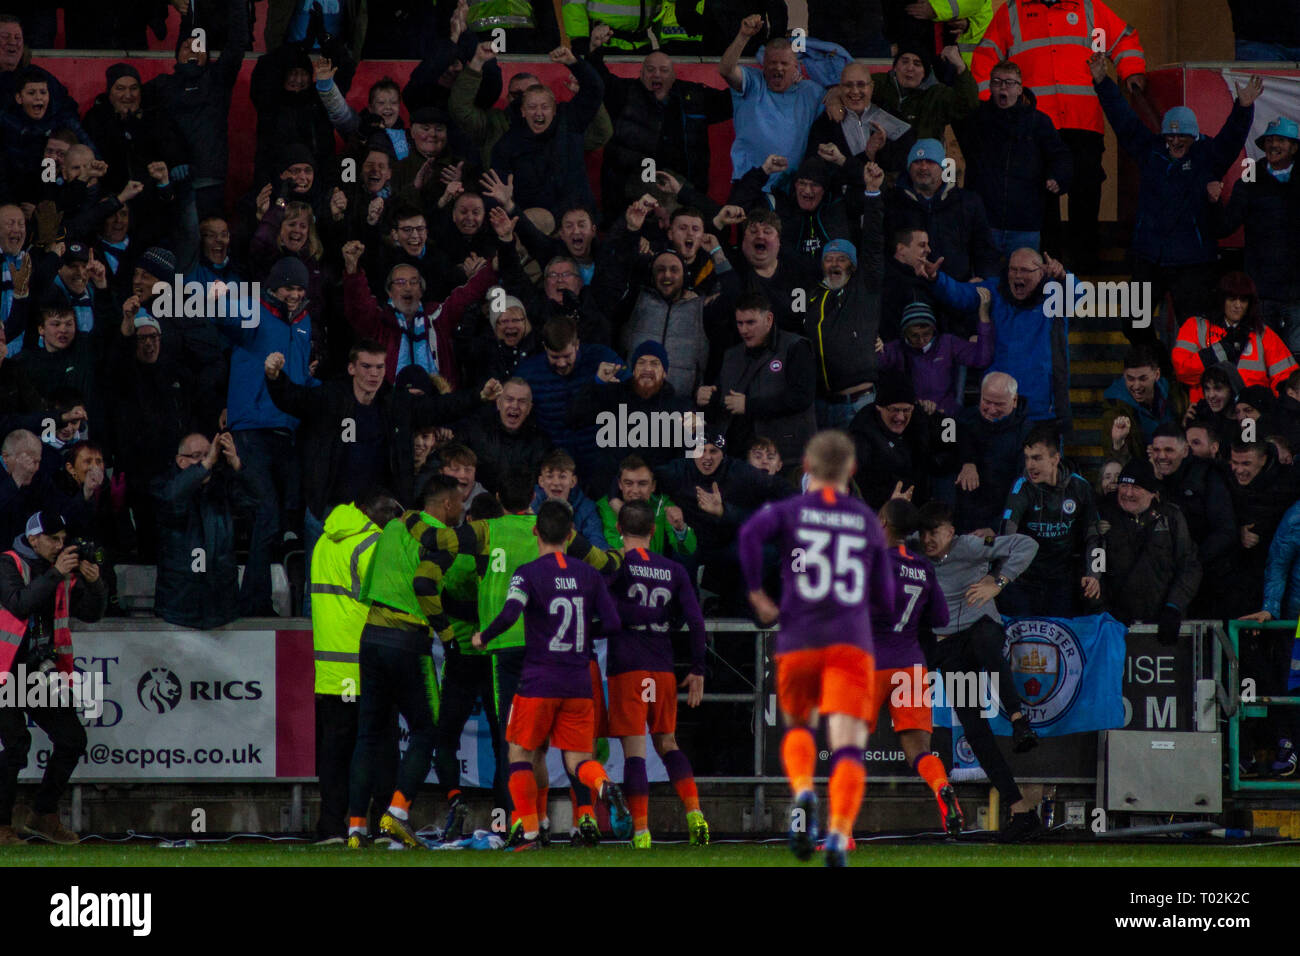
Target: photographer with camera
43 582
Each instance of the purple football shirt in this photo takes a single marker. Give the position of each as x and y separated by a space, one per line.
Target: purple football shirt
834 568
650 580
559 599
917 601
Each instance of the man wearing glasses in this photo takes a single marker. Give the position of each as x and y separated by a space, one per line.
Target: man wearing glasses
1013 152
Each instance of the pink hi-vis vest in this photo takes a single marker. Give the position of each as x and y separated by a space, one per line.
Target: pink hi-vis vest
12 627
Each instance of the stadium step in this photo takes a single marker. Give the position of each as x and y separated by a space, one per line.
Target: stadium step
1096 356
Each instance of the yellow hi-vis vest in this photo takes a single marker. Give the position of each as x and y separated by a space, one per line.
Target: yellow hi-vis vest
338 564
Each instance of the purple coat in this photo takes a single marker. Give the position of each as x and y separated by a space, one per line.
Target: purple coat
934 372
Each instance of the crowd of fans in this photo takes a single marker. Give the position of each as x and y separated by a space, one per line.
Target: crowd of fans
469 303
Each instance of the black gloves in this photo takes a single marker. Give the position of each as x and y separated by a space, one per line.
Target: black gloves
1171 620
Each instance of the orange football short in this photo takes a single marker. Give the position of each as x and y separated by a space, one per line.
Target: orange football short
906 698
833 680
641 698
568 722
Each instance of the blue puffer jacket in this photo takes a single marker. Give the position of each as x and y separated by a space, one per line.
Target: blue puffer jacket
248 404
1173 220
586 516
1282 573
1029 345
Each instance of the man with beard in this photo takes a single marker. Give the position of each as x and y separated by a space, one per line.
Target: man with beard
196 95
1030 345
506 437
666 312
774 108
648 393
843 316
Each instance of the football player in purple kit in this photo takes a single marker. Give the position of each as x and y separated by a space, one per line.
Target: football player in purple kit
642 686
919 607
834 571
559 598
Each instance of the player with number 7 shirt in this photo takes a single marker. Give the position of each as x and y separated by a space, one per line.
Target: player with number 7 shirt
559 599
834 572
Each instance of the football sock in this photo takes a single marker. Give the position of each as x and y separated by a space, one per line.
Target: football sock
400 807
636 787
543 803
592 775
580 799
799 755
356 825
683 779
523 793
930 767
848 781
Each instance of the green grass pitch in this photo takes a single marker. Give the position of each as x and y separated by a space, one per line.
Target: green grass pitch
869 854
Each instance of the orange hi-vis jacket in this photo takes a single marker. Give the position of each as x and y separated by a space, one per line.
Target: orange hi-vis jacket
1264 361
12 627
1051 43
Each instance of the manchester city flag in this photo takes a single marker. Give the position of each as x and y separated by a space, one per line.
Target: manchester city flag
1068 672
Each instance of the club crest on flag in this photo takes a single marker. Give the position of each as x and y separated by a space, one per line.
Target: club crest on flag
1047 663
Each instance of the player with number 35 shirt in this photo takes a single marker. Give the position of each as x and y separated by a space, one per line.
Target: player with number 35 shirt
834 570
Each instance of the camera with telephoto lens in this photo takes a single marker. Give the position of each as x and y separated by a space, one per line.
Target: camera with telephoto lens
88 550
